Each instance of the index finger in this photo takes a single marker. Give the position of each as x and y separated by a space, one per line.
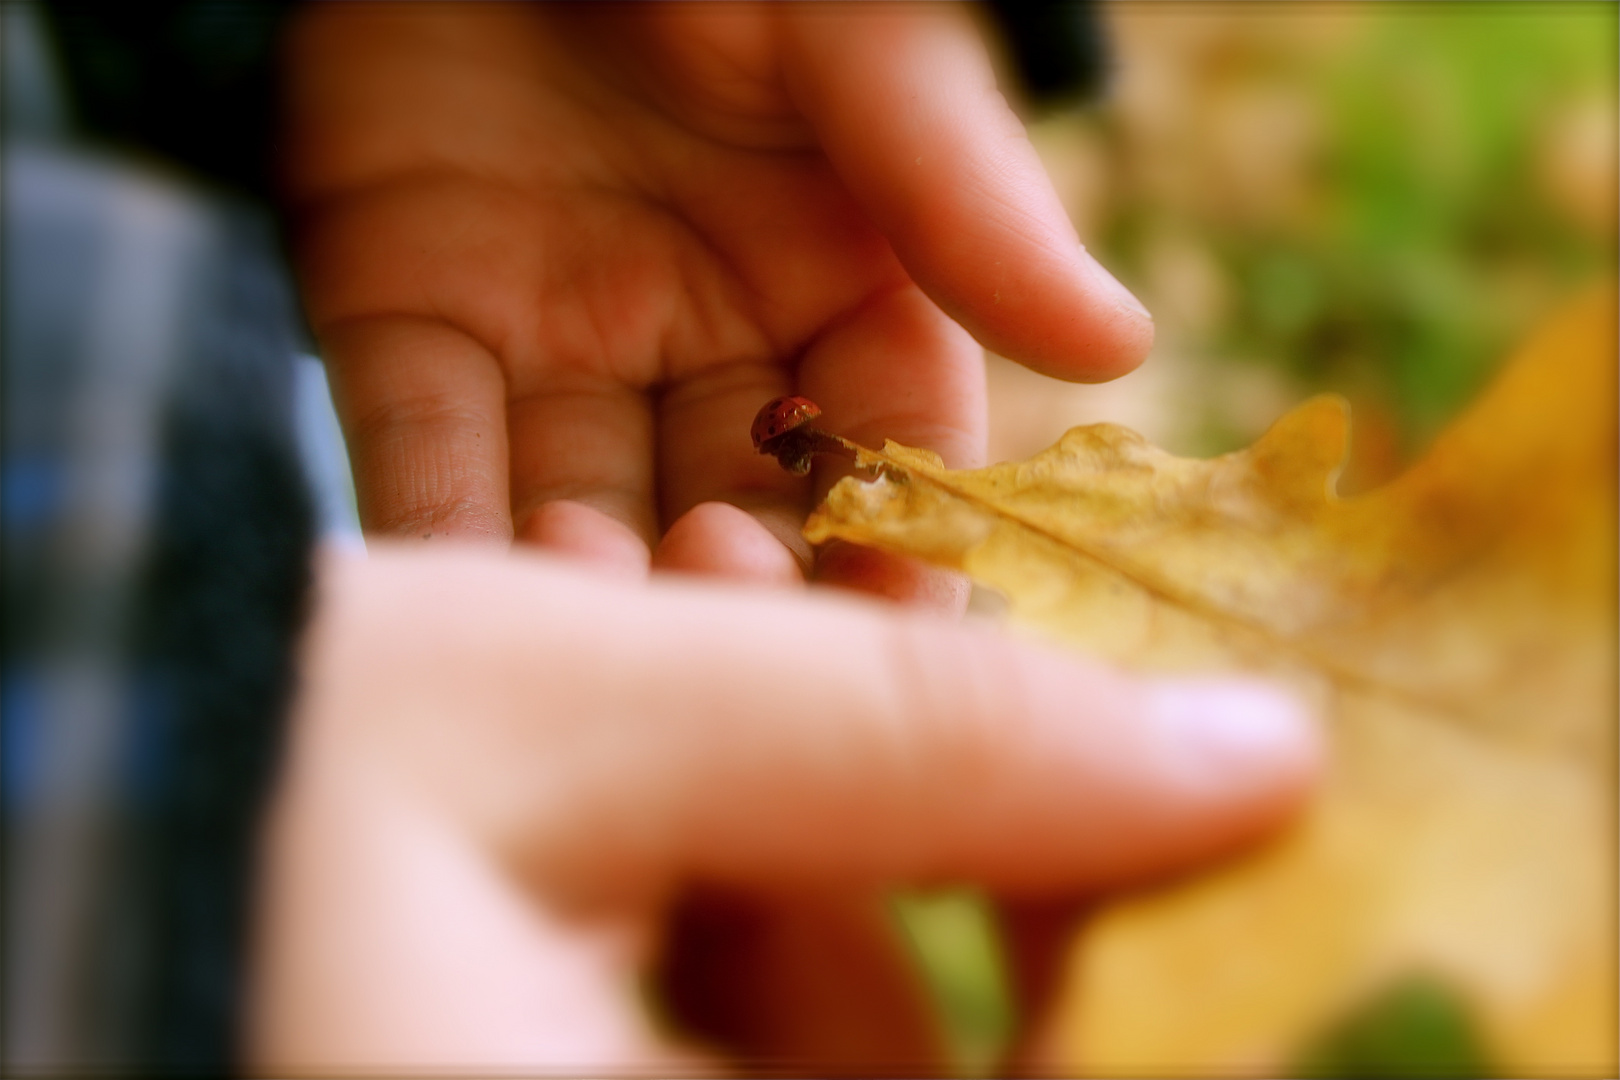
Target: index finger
760 738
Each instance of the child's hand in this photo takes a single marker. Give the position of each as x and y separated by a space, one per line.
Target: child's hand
563 253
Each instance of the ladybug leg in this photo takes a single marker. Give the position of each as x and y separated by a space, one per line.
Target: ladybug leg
794 449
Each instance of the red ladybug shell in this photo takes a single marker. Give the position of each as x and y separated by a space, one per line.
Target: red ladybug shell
780 416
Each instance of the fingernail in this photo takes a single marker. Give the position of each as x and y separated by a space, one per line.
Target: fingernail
1237 727
1110 286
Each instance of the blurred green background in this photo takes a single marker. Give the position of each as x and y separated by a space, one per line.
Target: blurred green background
1375 199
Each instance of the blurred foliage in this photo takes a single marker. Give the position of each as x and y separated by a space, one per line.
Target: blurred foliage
1379 200
952 934
1418 1027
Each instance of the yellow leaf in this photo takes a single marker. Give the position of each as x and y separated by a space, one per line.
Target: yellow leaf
1457 628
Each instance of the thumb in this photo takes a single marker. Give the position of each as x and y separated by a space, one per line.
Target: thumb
905 104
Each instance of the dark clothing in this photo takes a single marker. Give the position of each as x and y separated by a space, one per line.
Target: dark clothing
156 536
192 80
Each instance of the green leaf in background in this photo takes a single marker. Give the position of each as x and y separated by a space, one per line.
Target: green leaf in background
1418 1027
1378 200
953 936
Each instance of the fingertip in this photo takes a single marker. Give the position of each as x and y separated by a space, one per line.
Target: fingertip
718 539
1062 314
909 114
1248 741
1122 326
586 535
1138 778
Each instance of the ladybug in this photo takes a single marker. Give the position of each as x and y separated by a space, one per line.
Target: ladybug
780 416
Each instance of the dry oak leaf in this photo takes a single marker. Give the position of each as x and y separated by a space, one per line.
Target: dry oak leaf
1457 627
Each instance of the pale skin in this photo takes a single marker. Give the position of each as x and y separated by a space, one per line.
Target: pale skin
556 258
486 817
